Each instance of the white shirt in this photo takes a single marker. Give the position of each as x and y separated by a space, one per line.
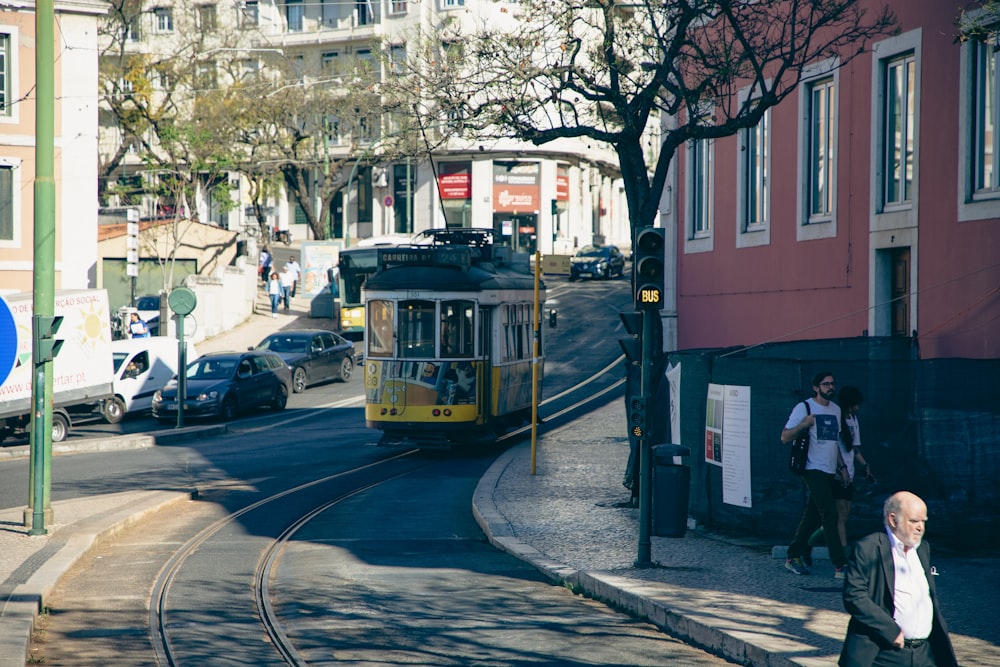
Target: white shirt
914 611
293 268
824 435
855 436
287 279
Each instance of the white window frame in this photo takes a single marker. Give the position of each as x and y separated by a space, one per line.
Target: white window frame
398 7
699 202
897 179
452 4
163 20
823 75
973 203
295 14
753 181
896 216
14 167
8 53
250 14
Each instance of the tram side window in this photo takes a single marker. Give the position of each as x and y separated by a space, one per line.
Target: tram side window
380 327
456 329
416 329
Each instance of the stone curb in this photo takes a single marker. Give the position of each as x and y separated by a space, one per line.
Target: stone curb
119 443
28 599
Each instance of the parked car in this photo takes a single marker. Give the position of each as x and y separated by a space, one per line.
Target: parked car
225 384
605 261
314 355
142 366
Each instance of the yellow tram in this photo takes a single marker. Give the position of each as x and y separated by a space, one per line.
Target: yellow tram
449 341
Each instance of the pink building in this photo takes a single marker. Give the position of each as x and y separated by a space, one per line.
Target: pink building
867 203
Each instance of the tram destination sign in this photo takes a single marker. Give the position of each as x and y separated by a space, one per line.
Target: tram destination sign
460 257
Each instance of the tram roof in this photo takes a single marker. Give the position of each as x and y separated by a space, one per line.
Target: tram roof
449 278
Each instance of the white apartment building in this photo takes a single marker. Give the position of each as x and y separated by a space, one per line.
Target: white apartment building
553 198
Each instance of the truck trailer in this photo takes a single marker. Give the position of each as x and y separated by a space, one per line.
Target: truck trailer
83 370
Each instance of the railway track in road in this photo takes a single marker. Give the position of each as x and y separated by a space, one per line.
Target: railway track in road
173 628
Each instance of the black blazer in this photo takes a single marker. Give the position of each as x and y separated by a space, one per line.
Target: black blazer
868 591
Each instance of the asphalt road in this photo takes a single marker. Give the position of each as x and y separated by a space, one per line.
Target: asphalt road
395 573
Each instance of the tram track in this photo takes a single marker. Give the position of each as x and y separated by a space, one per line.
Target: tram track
159 621
285 652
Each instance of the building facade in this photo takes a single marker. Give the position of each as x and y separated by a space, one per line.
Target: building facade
75 110
868 204
552 198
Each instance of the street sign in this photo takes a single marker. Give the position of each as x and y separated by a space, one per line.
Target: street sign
8 341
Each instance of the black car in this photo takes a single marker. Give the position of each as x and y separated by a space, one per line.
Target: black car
314 355
226 383
605 261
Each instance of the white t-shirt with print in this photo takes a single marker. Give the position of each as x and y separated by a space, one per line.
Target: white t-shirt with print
848 456
824 435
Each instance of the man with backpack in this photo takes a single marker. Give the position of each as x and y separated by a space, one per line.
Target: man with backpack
820 416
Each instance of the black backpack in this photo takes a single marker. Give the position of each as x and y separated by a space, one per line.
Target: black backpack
800 449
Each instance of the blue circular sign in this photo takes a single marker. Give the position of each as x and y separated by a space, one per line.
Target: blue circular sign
8 341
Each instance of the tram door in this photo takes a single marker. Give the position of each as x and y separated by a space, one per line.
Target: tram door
486 366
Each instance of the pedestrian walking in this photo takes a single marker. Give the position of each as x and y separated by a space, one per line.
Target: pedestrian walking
891 597
296 271
274 292
851 460
287 283
137 327
822 419
265 265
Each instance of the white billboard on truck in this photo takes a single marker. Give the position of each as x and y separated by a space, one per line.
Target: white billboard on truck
82 371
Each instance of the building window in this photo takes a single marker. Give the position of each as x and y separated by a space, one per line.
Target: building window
6 202
132 31
249 14
363 12
397 58
448 4
5 74
328 13
293 15
207 17
163 19
701 188
821 150
330 62
756 185
397 7
898 122
984 111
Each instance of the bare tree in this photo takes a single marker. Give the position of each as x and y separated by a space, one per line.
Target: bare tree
610 70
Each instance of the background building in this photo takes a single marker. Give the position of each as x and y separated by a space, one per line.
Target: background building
554 198
75 109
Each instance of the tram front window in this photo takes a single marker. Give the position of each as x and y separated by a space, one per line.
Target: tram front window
416 329
380 326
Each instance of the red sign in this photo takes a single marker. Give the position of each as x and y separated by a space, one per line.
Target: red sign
455 180
562 186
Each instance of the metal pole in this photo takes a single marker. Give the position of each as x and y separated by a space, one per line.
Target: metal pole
536 352
44 279
643 558
181 371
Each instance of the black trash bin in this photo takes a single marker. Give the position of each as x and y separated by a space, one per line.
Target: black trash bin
671 485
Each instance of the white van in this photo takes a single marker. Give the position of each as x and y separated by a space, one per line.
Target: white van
142 366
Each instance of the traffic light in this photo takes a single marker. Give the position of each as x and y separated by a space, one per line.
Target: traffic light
44 345
632 346
637 416
649 270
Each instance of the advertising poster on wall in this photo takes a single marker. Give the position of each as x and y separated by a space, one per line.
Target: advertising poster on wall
317 258
727 439
713 424
736 446
674 378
